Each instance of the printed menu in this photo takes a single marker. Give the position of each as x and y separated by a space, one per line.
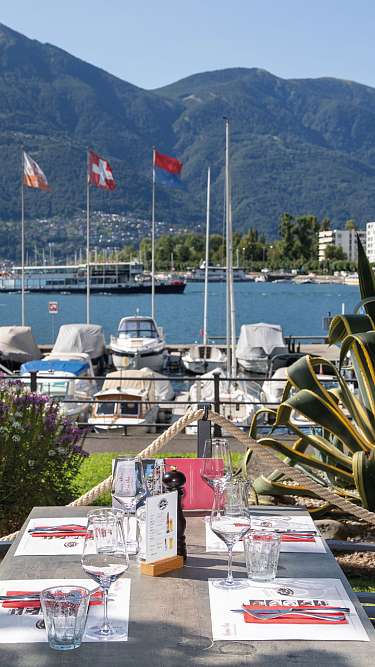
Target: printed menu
315 609
298 534
161 527
21 620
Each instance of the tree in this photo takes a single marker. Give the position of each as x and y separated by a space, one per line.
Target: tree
350 225
325 225
334 252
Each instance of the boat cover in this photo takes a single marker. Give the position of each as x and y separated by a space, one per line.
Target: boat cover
74 366
259 340
18 344
87 338
143 379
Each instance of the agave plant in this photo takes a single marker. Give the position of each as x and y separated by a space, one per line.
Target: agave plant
340 452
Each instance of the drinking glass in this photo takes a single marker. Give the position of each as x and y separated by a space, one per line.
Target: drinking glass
105 559
230 521
129 487
129 490
216 467
65 612
262 550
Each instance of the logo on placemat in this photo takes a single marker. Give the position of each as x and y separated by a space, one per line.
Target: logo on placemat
285 591
163 504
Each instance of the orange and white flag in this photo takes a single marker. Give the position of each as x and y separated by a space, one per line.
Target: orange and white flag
33 176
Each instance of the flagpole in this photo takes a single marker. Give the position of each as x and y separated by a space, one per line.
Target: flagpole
153 238
87 242
22 244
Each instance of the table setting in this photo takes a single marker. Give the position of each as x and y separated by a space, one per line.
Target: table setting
268 594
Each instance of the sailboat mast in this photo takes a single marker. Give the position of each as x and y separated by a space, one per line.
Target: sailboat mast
205 308
227 234
231 290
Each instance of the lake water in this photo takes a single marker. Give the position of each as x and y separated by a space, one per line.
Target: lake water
298 308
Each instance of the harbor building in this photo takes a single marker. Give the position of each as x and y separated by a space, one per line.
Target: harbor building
342 238
370 241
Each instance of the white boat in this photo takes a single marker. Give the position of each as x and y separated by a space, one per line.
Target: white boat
17 345
217 274
257 344
82 338
204 358
68 377
128 401
246 398
139 343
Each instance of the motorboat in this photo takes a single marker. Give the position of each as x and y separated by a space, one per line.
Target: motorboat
67 379
17 346
239 400
257 344
128 401
139 343
82 338
204 358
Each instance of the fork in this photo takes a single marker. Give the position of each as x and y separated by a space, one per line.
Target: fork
335 615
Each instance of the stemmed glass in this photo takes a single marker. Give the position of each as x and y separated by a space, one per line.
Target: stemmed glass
230 521
105 559
129 489
216 466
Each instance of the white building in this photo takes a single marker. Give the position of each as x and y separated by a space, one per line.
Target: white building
370 241
342 238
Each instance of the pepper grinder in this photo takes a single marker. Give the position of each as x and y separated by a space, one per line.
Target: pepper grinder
174 480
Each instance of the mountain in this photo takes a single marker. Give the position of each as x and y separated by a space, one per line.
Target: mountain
302 146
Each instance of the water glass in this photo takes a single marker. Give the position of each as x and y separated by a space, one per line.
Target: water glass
262 550
65 613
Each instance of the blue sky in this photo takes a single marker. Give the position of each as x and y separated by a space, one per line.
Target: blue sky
155 42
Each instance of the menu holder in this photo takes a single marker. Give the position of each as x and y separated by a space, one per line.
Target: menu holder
162 566
160 552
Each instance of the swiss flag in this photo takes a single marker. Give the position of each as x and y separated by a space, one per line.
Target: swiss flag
100 172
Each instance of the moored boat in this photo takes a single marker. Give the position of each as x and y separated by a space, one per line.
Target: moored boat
128 401
139 343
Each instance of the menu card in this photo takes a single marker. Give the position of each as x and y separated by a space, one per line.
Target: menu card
21 621
298 534
281 605
64 536
161 527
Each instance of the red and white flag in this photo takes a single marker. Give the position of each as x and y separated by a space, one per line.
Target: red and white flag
33 176
100 172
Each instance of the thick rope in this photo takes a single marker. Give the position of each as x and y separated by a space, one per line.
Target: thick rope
265 455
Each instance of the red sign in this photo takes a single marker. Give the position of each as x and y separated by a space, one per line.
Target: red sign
53 307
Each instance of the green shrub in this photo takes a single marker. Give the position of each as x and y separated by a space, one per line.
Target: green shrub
40 454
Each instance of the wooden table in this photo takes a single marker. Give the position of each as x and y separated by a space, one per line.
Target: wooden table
170 622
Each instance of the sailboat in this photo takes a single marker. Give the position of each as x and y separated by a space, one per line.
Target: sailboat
205 358
241 398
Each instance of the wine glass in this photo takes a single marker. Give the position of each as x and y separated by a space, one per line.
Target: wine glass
129 489
105 559
230 521
216 466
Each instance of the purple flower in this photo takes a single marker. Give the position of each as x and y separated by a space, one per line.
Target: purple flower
77 449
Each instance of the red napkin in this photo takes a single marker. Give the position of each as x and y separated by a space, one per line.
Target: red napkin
292 619
96 599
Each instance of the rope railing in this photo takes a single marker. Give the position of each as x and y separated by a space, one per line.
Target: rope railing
262 451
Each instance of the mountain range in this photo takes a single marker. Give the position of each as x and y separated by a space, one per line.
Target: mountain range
304 146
